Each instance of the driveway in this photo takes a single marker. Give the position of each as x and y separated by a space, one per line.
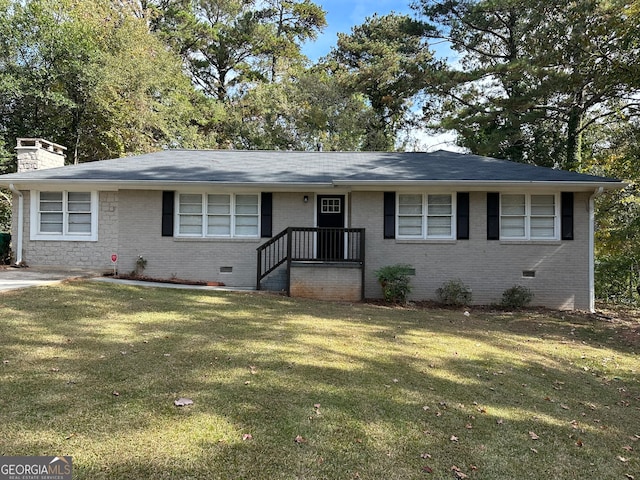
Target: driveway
14 278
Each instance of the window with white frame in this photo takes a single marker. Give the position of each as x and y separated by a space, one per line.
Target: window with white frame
425 216
529 216
218 215
64 215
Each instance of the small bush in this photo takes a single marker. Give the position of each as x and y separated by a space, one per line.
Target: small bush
394 280
454 292
516 297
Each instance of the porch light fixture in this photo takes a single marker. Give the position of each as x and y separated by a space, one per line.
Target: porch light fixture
305 199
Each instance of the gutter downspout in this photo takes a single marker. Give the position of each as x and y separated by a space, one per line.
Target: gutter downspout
20 223
592 232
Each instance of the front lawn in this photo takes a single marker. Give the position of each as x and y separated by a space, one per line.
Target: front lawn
296 389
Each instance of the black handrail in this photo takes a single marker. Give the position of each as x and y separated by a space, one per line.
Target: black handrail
309 244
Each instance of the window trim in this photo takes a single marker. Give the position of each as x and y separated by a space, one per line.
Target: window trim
204 215
425 216
528 217
35 225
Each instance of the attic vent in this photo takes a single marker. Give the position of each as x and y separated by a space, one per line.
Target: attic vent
528 273
226 269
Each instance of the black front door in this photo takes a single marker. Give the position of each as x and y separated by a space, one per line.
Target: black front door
330 221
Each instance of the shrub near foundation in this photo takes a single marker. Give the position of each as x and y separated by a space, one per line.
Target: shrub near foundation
395 282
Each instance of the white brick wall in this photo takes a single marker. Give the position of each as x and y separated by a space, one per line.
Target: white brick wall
130 225
91 255
488 267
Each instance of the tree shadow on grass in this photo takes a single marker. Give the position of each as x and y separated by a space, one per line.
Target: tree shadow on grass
259 365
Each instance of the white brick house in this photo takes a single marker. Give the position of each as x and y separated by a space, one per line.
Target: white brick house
202 215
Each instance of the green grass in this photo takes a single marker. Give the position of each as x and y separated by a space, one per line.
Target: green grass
395 387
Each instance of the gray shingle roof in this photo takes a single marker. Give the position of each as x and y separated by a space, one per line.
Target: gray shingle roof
305 168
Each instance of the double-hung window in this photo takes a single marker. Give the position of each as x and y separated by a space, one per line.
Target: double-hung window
218 215
63 215
528 217
426 216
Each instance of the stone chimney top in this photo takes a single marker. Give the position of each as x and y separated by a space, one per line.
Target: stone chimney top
38 154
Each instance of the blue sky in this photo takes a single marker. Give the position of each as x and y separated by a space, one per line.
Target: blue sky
344 14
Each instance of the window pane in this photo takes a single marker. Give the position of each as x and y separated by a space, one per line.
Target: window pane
79 223
439 226
543 227
79 196
219 225
512 227
190 204
543 205
51 223
191 224
50 206
512 204
51 196
410 226
439 204
79 206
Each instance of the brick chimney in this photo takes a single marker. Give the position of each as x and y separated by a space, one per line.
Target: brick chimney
38 154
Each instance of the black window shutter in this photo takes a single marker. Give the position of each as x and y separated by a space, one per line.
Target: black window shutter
389 214
493 216
462 215
266 215
566 206
167 213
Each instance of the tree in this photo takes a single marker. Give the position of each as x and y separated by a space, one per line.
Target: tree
90 75
534 77
389 62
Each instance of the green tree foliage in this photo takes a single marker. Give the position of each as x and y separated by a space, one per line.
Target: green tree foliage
618 215
388 61
309 110
91 76
535 76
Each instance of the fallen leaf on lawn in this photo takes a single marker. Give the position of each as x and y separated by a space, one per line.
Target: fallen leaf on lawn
247 436
628 448
564 407
622 459
54 369
247 382
181 402
70 436
473 467
500 421
453 438
426 407
427 469
630 477
316 405
458 473
579 443
115 393
5 362
395 380
533 436
253 369
425 455
299 439
534 450
468 426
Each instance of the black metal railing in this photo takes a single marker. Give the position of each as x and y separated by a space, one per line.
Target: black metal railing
307 244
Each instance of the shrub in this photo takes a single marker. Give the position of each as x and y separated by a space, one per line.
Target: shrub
394 280
516 297
5 248
454 292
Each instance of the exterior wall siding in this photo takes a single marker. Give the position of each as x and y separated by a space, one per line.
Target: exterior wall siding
488 267
90 255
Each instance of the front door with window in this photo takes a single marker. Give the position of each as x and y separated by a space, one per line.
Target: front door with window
330 219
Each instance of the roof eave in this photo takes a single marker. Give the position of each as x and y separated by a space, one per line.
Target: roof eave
482 184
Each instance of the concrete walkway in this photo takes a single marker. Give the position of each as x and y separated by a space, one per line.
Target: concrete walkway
14 278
